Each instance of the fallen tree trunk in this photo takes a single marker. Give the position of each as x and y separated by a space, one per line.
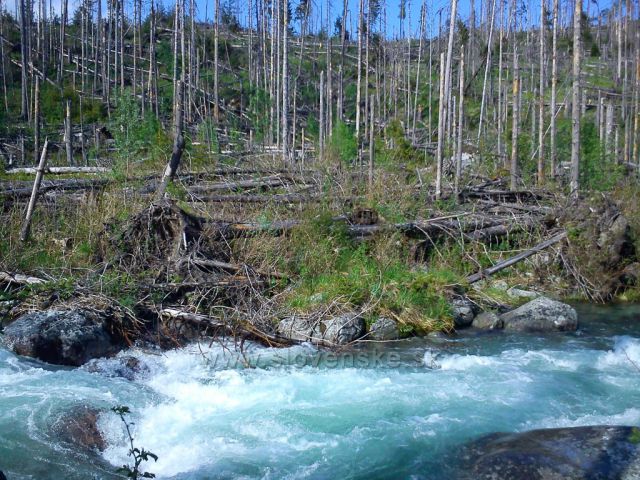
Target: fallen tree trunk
263 182
277 198
70 185
518 258
19 279
58 170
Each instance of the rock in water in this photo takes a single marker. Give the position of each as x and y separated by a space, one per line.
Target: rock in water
62 337
2 477
384 329
594 453
338 330
488 321
79 427
541 315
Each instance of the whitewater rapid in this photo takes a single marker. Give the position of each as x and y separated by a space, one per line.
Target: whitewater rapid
208 411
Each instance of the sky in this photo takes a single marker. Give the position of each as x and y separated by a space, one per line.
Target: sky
319 11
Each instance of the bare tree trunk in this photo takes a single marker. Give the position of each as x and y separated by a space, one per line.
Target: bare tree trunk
516 105
541 100
487 69
178 144
575 107
343 40
321 119
285 86
460 123
372 144
24 53
359 74
26 225
554 92
36 120
439 148
68 135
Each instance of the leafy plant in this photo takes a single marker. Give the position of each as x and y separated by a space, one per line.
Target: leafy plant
139 454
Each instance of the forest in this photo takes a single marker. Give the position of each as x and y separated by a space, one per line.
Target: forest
259 175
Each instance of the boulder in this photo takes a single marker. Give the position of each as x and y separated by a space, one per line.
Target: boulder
342 329
599 452
488 321
298 328
338 330
463 311
62 337
384 329
127 367
541 315
79 427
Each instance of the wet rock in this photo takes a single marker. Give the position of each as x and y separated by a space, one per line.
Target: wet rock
342 329
384 329
488 321
463 311
79 427
338 330
541 315
127 367
595 453
62 337
2 477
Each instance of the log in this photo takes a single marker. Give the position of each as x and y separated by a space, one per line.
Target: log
234 268
277 198
263 182
518 258
19 279
57 170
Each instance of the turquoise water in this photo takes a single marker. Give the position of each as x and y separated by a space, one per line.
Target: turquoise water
400 411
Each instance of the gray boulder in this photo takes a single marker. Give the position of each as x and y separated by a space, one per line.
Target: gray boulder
463 311
384 329
342 329
595 453
541 315
62 337
488 321
297 328
338 330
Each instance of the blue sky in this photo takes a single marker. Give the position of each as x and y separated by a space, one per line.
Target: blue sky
319 11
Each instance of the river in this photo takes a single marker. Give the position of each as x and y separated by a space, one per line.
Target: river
401 410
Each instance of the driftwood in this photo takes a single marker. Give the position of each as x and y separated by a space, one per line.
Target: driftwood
245 329
518 258
19 279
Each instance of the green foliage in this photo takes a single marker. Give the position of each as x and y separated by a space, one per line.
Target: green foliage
375 277
595 172
342 144
401 151
139 455
134 134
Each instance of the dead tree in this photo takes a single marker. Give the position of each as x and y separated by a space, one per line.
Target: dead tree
575 104
178 144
